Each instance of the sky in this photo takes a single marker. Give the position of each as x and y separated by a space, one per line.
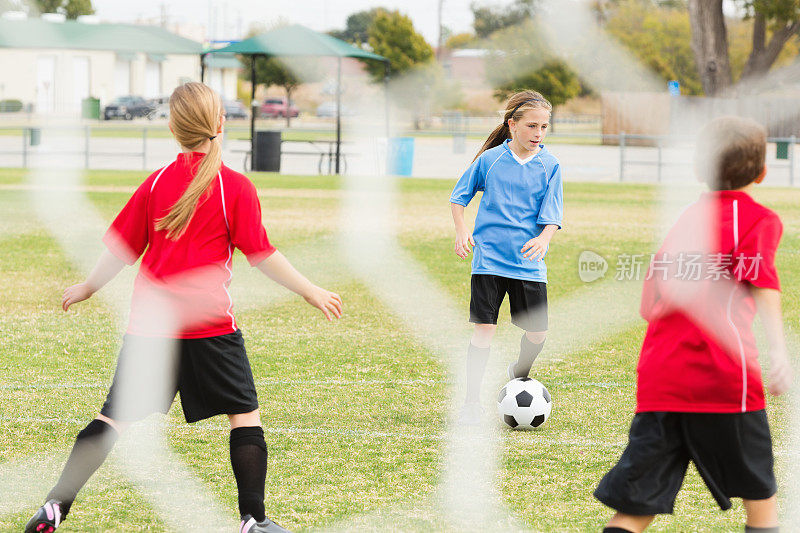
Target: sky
230 18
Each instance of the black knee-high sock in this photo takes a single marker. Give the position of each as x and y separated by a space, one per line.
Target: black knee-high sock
751 529
528 352
476 366
91 448
615 530
249 462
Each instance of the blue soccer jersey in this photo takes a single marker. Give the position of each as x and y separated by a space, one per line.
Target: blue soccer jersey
519 199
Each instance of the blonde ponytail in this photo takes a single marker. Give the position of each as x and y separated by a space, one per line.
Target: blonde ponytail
195 112
515 107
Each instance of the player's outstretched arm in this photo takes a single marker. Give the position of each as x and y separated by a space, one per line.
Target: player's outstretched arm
107 266
768 302
463 236
278 269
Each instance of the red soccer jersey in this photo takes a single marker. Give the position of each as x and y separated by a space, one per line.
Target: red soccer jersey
187 279
699 354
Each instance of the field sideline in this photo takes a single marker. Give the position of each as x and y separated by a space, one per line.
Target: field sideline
355 412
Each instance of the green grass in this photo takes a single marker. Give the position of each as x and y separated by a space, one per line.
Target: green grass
342 450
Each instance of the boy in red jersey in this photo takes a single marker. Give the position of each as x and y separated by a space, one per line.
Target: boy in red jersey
699 395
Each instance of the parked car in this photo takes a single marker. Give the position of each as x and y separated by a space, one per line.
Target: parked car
128 108
161 111
278 107
235 109
328 109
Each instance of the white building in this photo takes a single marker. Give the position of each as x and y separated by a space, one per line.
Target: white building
54 63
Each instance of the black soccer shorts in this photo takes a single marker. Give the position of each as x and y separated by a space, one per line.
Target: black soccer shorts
732 452
212 374
528 301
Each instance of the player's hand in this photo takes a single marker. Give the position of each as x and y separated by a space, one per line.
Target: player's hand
328 302
780 374
76 293
535 248
463 242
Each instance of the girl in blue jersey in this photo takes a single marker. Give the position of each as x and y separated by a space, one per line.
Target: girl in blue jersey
519 212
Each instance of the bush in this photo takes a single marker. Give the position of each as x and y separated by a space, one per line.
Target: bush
10 106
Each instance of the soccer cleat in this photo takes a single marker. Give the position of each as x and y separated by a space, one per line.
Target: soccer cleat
249 525
46 519
512 374
470 414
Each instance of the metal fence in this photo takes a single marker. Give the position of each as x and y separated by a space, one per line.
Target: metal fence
784 151
619 157
29 137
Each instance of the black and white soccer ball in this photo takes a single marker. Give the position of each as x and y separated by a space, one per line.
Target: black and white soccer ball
524 403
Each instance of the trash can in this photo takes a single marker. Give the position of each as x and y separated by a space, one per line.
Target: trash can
90 108
400 156
268 151
782 150
36 136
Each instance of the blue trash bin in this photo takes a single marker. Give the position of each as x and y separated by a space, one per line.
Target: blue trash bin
400 156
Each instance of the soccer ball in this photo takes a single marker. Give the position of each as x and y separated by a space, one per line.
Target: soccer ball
524 403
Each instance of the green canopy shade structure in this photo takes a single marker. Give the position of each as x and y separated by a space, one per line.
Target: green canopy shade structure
296 41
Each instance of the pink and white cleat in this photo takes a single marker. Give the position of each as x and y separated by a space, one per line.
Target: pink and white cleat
249 525
46 519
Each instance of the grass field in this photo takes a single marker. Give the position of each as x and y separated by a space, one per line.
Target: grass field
355 412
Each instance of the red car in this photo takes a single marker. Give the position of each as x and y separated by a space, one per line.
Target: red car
278 107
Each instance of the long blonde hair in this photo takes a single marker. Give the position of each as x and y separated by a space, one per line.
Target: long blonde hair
515 107
195 112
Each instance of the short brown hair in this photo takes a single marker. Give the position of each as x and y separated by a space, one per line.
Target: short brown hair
731 152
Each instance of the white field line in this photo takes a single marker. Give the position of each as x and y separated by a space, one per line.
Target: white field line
552 384
330 432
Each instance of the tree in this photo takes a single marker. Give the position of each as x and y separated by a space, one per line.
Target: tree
357 26
489 19
782 19
658 37
460 40
411 68
775 23
555 80
71 8
392 36
49 6
76 8
710 45
272 71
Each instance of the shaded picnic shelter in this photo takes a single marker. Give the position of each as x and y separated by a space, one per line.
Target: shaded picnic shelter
296 41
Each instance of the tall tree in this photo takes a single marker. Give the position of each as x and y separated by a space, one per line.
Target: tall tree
71 8
488 19
76 8
411 67
775 23
710 45
778 18
357 26
659 37
49 6
392 35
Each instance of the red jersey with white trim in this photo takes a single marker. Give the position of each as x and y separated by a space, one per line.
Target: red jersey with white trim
699 353
181 289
